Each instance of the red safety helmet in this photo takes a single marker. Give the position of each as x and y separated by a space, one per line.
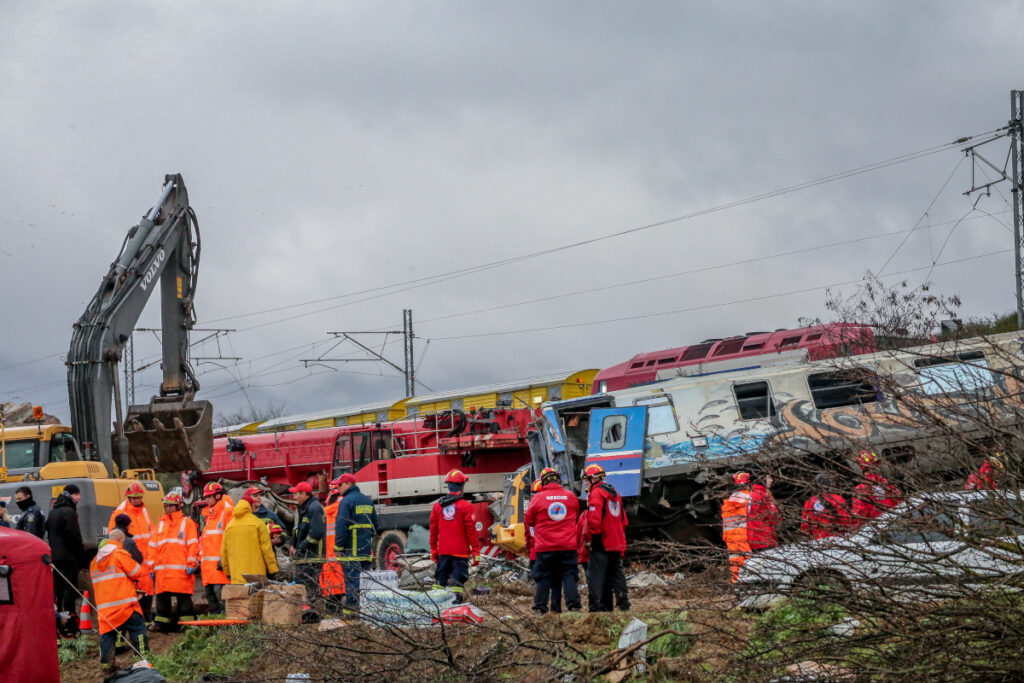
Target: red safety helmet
173 499
867 459
456 477
741 477
594 471
134 490
212 489
274 528
549 474
535 486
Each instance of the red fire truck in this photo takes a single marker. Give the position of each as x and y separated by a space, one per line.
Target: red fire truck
400 464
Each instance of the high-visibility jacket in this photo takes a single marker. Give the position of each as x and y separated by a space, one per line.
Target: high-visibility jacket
175 548
115 577
215 521
141 527
332 578
453 527
246 548
735 516
873 496
552 514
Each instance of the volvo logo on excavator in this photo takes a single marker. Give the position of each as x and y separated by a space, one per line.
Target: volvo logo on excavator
151 273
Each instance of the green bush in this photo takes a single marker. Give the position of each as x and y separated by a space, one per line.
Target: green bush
69 651
208 650
792 630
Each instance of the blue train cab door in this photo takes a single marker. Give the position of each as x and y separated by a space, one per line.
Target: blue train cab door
616 443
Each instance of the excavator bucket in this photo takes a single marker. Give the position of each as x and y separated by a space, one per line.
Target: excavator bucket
170 436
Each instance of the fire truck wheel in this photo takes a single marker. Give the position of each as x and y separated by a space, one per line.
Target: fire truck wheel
390 545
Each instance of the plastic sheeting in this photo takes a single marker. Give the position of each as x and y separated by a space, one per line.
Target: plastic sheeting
28 627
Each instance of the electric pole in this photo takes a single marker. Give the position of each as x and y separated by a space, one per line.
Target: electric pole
1016 140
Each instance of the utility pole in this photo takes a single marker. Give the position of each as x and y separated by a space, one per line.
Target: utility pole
409 371
1016 140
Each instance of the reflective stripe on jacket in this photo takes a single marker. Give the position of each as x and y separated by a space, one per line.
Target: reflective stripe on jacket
215 521
735 511
353 540
114 577
141 527
332 578
175 548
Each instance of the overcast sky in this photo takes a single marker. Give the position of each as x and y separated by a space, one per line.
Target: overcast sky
335 147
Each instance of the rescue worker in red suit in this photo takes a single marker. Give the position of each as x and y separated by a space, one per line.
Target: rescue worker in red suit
556 591
217 514
453 537
875 494
764 517
552 514
174 560
985 479
735 518
606 529
826 514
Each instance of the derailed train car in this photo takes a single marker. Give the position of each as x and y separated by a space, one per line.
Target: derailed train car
664 444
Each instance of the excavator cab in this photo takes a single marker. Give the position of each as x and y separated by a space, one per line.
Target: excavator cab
170 435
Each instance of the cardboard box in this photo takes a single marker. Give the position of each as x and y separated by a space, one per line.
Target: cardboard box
282 605
242 602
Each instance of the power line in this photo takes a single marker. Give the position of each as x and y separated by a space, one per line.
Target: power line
440 277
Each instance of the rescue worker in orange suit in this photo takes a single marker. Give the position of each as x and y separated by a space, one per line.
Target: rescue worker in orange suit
552 514
556 590
115 581
986 478
216 516
332 574
145 582
826 513
141 530
875 494
453 537
174 559
764 517
606 529
735 517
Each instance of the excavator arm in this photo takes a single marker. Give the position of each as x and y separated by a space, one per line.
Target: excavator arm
174 431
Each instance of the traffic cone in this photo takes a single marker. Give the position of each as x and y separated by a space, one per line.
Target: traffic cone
85 620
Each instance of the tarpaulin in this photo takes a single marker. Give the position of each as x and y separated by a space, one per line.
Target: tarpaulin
28 626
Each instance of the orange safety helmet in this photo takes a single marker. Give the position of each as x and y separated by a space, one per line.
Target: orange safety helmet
867 459
741 477
173 499
549 474
134 490
535 486
212 489
456 477
593 471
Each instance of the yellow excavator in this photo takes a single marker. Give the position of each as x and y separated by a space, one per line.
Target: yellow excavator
172 433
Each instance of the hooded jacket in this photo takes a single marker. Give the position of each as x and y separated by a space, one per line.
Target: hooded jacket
115 579
64 535
32 519
246 546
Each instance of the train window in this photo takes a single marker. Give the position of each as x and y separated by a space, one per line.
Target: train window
666 361
790 341
729 346
650 363
613 432
962 373
696 352
813 337
841 388
754 400
638 364
661 416
754 347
